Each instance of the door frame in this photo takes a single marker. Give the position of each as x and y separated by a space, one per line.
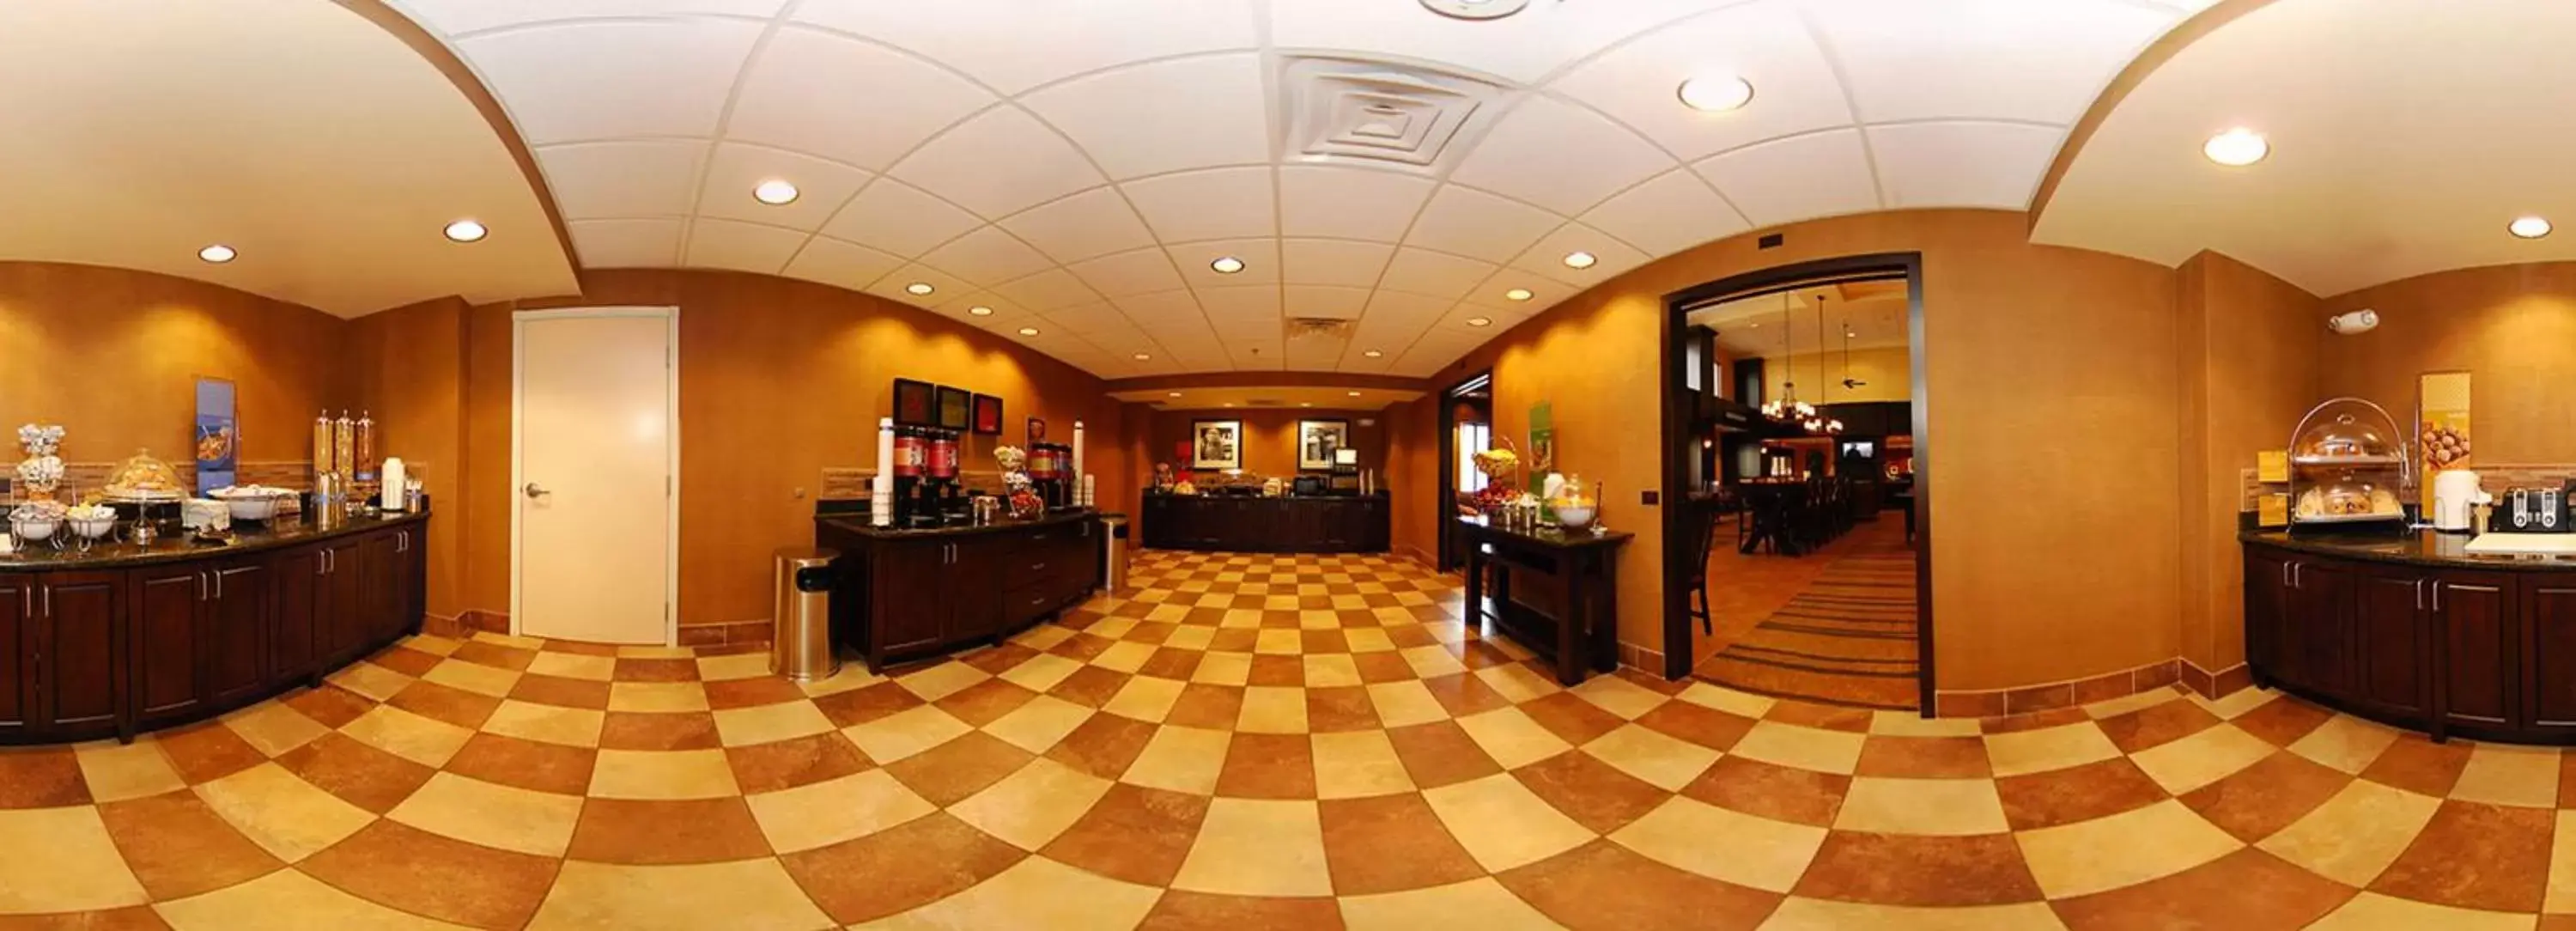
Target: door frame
670 317
1443 556
1677 439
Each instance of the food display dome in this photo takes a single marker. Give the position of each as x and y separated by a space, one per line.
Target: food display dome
144 478
2346 437
2348 465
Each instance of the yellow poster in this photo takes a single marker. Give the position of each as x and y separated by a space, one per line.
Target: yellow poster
2442 431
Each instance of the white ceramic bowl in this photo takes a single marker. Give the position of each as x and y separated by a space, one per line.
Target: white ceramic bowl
253 508
35 529
1574 518
94 528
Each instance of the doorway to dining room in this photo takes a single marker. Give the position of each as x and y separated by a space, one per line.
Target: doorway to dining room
1794 430
1466 428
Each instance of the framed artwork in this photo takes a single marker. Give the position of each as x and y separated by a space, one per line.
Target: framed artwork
988 415
1216 444
916 403
1318 440
1037 431
956 408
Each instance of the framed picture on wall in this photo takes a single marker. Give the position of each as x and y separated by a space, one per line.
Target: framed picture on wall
1037 431
956 408
1216 444
1318 440
988 415
916 403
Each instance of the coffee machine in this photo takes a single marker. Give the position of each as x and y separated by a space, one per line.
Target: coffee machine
1345 479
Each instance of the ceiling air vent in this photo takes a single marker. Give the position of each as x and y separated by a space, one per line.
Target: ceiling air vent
1265 402
1318 327
1402 115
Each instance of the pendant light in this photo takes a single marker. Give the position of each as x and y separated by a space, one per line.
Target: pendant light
1816 422
1787 408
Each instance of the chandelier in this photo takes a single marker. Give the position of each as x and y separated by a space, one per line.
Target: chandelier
1786 408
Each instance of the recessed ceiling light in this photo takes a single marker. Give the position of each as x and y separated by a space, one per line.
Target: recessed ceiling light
1480 321
1175 394
2528 227
1305 404
1226 265
466 231
217 254
1355 394
1373 354
1229 404
919 287
1028 331
1140 357
774 192
1716 93
1580 260
978 310
2236 147
1519 294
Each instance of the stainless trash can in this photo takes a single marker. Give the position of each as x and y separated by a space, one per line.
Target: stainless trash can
1113 559
800 645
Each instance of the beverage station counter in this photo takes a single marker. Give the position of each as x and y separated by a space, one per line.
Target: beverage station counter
903 593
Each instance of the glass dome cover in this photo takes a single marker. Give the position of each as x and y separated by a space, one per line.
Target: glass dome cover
144 478
2345 436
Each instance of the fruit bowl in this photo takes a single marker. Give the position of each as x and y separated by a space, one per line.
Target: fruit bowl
1574 517
91 522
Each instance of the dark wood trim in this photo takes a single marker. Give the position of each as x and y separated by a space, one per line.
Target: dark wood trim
1444 555
1677 439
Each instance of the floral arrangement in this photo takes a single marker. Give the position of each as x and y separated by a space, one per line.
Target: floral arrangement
42 471
1019 491
1011 458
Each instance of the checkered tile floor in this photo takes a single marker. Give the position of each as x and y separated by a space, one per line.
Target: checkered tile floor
1252 742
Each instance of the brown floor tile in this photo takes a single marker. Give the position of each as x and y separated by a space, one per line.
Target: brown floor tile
359 774
2282 721
1210 706
1780 793
2473 855
1082 648
1440 753
207 751
862 705
659 730
429 874
1324 641
2040 720
1133 833
1333 709
985 702
1201 911
331 706
1268 766
1899 869
561 692
40 777
1090 686
493 654
1274 669
1390 843
2076 793
1154 632
2261 799
1408 636
1593 793
1382 666
1103 745
179 847
752 692
656 670
1924 757
1000 659
653 832
1233 640
949 773
442 703
409 662
2157 725
1827 717
1604 886
1570 718
1171 663
1464 694
526 764
786 764
2249 890
137 918
898 869
2416 764
1699 724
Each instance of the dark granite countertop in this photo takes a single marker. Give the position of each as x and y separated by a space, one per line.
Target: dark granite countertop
858 524
1153 496
106 554
1558 538
2412 547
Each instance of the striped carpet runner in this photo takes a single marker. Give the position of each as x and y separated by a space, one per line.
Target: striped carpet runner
1846 639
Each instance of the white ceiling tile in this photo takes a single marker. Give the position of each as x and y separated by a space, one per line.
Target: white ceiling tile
987 255
1090 318
1333 261
460 16
1141 271
998 163
1260 258
840 264
1005 315
1316 300
1962 164
1397 307
845 99
1559 156
1479 225
748 247
1522 47
891 216
1014 45
614 79
600 180
625 243
1794 87
2042 60
1048 290
1240 304
1434 274
1093 223
821 186
1164 116
1222 203
1348 203
1547 257
945 288
1162 311
1800 178
1673 212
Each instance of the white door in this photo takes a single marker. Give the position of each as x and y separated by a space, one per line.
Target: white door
596 475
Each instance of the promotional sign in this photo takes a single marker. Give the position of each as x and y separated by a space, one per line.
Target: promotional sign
218 438
2441 427
1542 438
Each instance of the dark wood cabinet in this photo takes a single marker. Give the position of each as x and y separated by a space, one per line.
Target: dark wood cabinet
2393 637
295 625
165 641
341 621
2267 596
79 621
910 609
1265 525
2548 610
17 656
235 630
2475 644
906 594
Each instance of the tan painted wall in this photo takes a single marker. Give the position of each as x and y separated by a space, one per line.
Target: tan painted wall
2053 388
1413 478
2513 327
408 365
1889 372
1269 436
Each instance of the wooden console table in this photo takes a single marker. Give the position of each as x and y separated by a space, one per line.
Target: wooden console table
1585 564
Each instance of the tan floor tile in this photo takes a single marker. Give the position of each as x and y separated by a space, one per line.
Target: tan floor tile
2355 835
835 810
760 724
1512 738
1125 656
663 774
1502 823
2237 703
906 733
267 902
2346 743
1041 672
1112 628
1741 704
493 815
1035 893
2502 774
370 680
1258 847
1405 702
1278 641
515 641
734 666
404 734
432 644
273 727
1039 723
117 772
62 860
1519 683
1482 904
1181 759
1029 808
1922 806
1431 662
1619 696
1810 748
2371 911
743 895
1272 709
1145 698
1661 760
480 679
2049 748
574 666
1368 639
1910 724
2205 757
1802 914
1326 670
1758 852
2561 896
2122 850
570 727
657 696
1223 669
283 814
1358 764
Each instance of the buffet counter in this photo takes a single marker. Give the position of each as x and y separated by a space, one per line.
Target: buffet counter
907 594
125 638
2412 630
1247 524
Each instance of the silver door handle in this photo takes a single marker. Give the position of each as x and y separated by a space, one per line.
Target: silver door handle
2419 594
535 492
201 586
49 601
219 585
2437 597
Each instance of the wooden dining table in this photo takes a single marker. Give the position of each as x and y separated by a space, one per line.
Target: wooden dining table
1583 637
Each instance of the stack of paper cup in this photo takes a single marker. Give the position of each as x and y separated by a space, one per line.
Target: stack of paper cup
881 487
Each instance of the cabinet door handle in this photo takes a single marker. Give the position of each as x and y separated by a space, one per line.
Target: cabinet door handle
1037 567
2419 594
219 584
2437 597
201 586
49 601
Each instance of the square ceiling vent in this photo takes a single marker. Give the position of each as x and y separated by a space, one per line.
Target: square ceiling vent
1391 114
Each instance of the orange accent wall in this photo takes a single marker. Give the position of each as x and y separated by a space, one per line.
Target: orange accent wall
1269 437
2512 326
409 369
1413 478
2054 445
